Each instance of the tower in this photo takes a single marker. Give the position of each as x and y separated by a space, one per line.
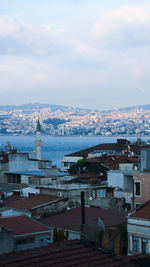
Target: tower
38 141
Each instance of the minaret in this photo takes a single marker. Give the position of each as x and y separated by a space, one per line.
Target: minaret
38 141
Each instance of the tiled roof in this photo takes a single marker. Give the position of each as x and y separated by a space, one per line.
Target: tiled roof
71 219
118 147
112 162
142 211
111 146
64 254
32 202
22 225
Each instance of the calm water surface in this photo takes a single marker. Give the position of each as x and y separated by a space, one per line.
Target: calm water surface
54 148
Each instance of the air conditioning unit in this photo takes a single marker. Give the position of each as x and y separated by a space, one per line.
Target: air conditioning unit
60 194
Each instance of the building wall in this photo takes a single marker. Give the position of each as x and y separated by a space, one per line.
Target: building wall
140 229
72 234
112 240
128 183
20 162
127 195
32 241
72 194
24 179
115 179
145 159
7 242
107 203
50 208
13 212
144 178
120 180
68 161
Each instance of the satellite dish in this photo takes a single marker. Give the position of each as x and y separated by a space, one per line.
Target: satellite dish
100 224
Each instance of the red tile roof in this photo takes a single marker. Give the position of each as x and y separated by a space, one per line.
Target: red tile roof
112 162
22 225
71 219
32 202
142 212
64 254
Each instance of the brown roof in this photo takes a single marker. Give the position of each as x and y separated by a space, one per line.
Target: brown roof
112 162
32 202
142 212
122 144
22 225
111 146
71 219
63 254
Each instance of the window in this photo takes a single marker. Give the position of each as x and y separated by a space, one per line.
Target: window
135 244
101 193
144 246
137 188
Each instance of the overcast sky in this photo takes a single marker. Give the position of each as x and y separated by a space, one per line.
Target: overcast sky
82 53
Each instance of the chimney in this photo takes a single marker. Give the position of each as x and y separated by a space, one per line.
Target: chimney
82 208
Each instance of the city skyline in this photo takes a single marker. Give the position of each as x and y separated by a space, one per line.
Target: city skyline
76 53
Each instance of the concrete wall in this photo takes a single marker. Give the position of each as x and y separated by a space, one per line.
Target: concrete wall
50 208
24 179
115 179
128 183
20 162
33 242
145 159
7 241
127 195
107 203
73 194
13 212
120 180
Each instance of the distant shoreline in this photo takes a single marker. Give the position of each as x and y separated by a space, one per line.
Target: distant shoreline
89 136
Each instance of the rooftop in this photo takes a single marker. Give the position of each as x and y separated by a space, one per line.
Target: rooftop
71 219
32 202
63 254
22 225
142 211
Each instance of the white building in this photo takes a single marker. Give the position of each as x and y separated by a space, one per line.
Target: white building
138 227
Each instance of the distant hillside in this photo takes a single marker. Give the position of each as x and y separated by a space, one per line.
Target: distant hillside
126 109
29 108
146 107
37 107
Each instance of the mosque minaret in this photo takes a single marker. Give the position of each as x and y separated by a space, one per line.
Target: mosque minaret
38 141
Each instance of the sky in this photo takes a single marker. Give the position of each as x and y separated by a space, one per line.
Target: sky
82 53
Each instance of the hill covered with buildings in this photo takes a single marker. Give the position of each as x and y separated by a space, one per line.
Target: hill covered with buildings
59 120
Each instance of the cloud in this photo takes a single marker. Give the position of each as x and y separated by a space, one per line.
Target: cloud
126 25
18 37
